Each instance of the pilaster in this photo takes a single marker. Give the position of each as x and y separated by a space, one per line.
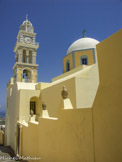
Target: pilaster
33 40
34 57
19 74
20 51
34 76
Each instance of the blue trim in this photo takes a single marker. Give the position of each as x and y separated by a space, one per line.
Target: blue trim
94 55
79 50
73 58
73 53
67 65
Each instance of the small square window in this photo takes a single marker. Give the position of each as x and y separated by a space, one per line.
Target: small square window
84 60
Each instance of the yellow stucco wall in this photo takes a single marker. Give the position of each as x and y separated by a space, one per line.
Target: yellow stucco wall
88 53
68 139
18 108
34 76
19 73
68 57
1 137
87 134
12 115
68 73
30 140
42 85
86 86
107 108
52 96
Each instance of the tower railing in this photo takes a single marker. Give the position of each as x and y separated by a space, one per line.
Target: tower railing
27 80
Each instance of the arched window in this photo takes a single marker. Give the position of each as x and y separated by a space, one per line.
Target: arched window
35 105
84 60
68 65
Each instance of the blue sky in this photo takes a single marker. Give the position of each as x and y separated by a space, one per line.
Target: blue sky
58 23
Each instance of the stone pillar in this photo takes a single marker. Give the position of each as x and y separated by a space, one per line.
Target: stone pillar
19 74
34 76
27 56
20 55
21 38
33 57
33 40
18 139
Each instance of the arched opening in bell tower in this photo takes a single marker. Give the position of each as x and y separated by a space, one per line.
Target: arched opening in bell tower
27 75
30 57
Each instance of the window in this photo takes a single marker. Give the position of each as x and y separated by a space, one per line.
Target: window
67 65
84 60
35 105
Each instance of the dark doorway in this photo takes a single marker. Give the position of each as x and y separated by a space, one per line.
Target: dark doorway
33 106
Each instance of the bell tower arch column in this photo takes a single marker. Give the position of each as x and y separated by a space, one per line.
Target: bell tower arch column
20 53
34 57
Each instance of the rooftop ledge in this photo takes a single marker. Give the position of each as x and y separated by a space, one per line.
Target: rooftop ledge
52 118
28 64
69 72
11 82
19 44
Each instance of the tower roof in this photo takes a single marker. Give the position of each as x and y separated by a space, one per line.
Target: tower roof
26 24
82 44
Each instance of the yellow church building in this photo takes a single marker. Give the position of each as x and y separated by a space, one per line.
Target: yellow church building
75 118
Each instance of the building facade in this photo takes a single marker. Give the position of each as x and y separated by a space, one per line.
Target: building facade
76 117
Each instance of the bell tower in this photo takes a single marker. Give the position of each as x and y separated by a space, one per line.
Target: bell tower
25 67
